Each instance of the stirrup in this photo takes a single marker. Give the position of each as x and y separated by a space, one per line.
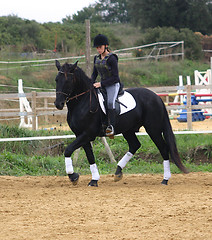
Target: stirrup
109 131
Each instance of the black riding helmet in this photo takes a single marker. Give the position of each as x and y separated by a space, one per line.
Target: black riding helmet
100 40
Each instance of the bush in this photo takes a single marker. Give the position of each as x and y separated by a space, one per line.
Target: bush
192 45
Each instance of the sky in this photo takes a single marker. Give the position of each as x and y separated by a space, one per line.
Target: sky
43 10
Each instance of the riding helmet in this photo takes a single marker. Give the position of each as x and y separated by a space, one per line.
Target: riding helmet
100 40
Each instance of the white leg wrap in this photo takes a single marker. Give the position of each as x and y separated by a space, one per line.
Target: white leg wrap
94 172
166 168
69 166
122 163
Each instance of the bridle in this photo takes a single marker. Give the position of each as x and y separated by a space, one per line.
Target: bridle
68 98
66 73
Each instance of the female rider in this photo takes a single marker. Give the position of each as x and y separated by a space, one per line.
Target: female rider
106 66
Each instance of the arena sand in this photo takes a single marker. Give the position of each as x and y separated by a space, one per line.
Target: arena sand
138 207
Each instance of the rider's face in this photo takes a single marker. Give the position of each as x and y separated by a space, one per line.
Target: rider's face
101 49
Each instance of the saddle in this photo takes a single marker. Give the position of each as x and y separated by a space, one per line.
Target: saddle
124 102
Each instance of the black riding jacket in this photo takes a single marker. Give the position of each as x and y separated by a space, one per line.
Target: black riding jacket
107 69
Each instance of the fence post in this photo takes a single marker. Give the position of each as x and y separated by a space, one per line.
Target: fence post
183 50
188 107
88 48
34 125
46 108
210 79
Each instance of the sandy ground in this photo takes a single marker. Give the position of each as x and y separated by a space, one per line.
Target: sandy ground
138 207
177 126
205 125
200 125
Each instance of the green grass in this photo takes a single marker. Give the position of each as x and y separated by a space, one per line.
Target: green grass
32 158
132 74
162 73
19 165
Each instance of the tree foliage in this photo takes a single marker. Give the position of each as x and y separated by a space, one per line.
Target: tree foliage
86 13
193 49
28 36
110 11
15 30
115 11
69 36
193 14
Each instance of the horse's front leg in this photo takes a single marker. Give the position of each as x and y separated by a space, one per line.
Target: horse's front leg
77 143
93 167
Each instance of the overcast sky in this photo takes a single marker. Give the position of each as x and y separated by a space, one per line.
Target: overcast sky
43 10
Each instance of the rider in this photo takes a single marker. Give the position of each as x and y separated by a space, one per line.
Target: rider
106 65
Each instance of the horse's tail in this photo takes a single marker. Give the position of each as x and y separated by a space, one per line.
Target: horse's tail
171 142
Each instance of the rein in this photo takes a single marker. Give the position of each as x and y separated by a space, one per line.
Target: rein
68 98
80 94
76 96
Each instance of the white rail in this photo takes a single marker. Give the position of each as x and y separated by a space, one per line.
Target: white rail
73 136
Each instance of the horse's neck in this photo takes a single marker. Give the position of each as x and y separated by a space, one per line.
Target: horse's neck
84 84
87 102
81 91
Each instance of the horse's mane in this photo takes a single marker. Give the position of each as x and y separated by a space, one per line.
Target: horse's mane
81 78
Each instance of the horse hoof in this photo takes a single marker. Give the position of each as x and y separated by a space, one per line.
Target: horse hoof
74 178
164 182
118 177
93 183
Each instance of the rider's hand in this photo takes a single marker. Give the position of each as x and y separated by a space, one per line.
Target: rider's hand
97 85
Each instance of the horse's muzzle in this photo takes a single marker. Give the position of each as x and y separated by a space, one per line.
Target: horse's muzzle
59 106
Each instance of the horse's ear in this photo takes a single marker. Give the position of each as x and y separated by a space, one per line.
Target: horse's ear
57 63
75 64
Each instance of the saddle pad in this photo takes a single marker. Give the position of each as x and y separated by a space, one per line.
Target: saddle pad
127 102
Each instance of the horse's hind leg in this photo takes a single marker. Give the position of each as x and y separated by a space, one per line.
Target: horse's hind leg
159 141
93 167
134 145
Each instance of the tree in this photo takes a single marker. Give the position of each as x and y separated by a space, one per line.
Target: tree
111 11
193 14
114 11
15 30
86 13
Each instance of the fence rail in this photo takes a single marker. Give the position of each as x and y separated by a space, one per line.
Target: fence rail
48 97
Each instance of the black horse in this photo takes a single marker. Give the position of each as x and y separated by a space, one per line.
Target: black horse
85 119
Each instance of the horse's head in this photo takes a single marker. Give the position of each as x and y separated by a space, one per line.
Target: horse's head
64 83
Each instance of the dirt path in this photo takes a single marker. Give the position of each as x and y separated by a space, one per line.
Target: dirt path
138 207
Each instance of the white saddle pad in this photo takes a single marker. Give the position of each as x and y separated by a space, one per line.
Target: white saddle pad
127 102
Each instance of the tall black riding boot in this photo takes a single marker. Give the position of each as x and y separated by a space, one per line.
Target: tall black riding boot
111 123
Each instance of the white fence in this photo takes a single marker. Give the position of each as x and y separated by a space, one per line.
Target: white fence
150 51
43 109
